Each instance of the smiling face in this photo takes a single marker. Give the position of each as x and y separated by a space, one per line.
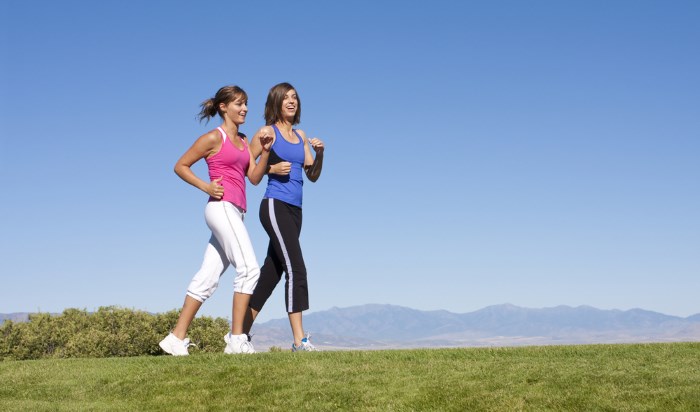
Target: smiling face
290 104
236 110
283 105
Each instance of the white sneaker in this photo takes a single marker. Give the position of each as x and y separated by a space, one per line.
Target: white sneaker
237 344
174 346
305 345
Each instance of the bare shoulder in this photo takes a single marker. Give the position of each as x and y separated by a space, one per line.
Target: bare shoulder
302 134
266 130
212 137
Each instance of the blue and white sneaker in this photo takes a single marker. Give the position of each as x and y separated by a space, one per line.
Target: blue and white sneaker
305 345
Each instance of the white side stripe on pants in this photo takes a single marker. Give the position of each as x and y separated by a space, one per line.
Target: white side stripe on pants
287 262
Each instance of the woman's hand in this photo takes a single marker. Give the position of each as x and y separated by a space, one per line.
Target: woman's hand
266 142
215 190
317 145
281 168
313 165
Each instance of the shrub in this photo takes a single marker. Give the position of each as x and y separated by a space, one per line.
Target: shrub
110 331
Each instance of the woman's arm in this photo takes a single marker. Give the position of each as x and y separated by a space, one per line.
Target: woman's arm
255 146
256 171
206 145
281 168
312 166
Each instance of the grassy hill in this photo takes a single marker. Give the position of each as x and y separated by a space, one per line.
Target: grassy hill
663 377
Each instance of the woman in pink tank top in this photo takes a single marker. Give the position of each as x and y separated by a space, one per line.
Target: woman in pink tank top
228 157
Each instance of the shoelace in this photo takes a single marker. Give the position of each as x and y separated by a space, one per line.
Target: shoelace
306 344
248 346
187 343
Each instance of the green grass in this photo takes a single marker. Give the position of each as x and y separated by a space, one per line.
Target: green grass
649 377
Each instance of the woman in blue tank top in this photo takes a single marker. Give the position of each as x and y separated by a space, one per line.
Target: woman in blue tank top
280 211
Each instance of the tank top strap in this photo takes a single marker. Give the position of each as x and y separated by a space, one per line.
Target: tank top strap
301 139
278 133
223 133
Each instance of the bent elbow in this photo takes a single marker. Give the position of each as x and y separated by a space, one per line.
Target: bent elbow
254 181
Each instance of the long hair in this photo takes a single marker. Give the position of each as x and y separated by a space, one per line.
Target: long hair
225 95
273 105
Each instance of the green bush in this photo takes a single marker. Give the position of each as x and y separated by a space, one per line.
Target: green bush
208 334
110 331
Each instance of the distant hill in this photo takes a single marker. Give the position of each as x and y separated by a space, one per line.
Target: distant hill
389 326
15 317
375 326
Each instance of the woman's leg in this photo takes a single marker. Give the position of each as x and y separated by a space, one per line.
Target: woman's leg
283 223
297 327
202 286
286 224
226 223
187 314
238 312
270 275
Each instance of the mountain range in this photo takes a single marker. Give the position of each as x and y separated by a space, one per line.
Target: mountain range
375 326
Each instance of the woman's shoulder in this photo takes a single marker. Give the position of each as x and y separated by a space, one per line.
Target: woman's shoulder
212 136
301 133
266 129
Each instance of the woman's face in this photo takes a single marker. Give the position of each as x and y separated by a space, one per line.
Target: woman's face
290 104
236 110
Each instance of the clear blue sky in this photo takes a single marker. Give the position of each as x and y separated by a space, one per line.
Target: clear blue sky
535 153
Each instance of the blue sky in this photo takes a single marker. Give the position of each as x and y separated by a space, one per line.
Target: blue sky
535 153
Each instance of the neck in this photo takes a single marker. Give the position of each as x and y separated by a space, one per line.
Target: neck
284 126
230 127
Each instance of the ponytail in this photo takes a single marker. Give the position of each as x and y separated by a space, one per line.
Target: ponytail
208 111
225 95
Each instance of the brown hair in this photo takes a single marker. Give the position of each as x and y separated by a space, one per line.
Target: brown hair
225 95
273 105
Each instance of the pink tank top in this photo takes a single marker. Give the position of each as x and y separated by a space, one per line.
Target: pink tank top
231 163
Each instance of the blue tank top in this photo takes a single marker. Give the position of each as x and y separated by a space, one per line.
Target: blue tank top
286 188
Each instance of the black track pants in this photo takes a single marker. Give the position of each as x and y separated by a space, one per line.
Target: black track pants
282 222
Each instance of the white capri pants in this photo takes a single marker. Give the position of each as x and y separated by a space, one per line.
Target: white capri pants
229 244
